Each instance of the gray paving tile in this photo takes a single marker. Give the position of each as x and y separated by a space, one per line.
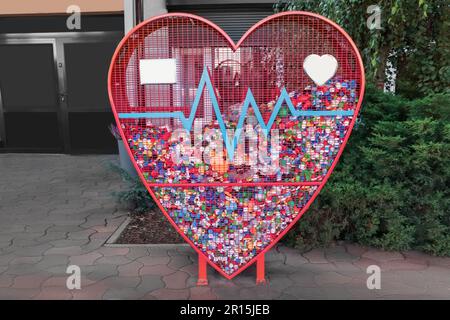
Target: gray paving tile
179 261
33 250
113 260
228 292
122 282
18 294
5 259
100 271
21 269
69 243
150 283
137 252
122 294
52 260
265 292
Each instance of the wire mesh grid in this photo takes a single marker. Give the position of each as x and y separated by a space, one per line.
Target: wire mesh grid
237 146
269 60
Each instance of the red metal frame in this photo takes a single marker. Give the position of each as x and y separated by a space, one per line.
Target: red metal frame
202 271
260 274
234 46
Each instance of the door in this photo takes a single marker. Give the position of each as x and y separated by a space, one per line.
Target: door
30 118
89 115
53 92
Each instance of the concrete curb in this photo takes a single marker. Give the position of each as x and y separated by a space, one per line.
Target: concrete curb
116 234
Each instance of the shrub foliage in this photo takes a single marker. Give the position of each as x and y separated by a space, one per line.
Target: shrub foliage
391 187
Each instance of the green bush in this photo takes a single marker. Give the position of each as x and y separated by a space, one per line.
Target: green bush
391 187
135 196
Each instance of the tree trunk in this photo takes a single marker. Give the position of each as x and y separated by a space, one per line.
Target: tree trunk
380 75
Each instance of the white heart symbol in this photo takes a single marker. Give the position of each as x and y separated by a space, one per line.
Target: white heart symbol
320 68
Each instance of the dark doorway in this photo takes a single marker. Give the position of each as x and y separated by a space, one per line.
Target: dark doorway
53 92
29 98
89 112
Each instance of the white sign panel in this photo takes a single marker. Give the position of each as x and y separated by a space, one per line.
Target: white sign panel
158 71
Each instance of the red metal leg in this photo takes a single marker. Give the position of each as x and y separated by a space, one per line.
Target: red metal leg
260 277
202 272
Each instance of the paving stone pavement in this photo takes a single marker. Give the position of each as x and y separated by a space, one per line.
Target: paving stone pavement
58 210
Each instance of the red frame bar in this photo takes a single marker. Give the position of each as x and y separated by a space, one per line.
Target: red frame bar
260 273
202 279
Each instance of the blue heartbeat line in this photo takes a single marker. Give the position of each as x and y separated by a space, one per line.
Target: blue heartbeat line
249 100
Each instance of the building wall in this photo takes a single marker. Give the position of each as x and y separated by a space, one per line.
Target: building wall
234 19
57 23
48 7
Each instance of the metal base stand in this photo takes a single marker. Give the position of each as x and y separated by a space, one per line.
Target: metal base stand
260 274
203 273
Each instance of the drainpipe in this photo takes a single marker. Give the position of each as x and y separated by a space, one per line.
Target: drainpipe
136 11
129 15
153 8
